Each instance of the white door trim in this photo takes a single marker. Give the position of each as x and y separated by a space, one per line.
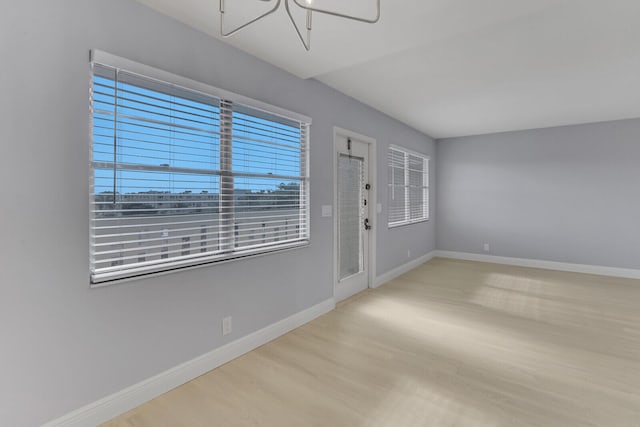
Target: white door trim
373 203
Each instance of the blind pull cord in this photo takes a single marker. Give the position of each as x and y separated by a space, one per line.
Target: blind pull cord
115 135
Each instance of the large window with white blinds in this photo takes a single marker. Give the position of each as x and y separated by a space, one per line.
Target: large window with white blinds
184 174
408 186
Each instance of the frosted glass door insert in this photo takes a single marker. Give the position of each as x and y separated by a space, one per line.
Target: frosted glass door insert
350 215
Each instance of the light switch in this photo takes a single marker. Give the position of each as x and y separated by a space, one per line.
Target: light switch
327 211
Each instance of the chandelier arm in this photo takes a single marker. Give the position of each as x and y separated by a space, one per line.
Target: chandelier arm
306 43
232 32
341 15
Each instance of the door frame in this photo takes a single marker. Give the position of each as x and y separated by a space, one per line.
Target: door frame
373 205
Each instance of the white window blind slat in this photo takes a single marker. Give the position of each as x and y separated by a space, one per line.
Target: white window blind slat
408 187
182 178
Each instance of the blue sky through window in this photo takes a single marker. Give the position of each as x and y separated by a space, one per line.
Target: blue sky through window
158 130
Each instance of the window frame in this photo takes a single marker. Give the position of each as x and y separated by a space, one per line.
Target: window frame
171 265
407 199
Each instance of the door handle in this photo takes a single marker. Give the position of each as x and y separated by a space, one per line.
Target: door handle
366 224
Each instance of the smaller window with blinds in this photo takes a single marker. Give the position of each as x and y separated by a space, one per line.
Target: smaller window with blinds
408 187
184 174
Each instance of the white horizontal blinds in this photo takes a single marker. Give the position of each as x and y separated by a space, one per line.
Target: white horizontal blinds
397 189
183 178
269 171
408 187
418 200
227 202
156 173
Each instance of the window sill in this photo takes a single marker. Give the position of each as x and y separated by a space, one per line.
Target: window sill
404 224
193 265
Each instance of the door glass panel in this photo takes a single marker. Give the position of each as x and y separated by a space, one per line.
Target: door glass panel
350 211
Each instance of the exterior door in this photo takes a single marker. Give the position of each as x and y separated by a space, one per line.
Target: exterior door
352 216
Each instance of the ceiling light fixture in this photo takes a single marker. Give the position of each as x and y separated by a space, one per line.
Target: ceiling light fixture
307 5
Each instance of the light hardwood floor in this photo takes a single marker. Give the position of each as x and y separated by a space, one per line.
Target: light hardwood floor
451 343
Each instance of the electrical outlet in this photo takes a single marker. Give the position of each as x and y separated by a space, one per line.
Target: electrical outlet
226 326
486 247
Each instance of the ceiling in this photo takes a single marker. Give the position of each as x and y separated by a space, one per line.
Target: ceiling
457 67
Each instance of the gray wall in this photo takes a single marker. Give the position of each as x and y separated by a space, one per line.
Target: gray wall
567 194
63 345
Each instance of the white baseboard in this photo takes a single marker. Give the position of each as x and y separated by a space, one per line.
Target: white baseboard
111 406
546 265
399 271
